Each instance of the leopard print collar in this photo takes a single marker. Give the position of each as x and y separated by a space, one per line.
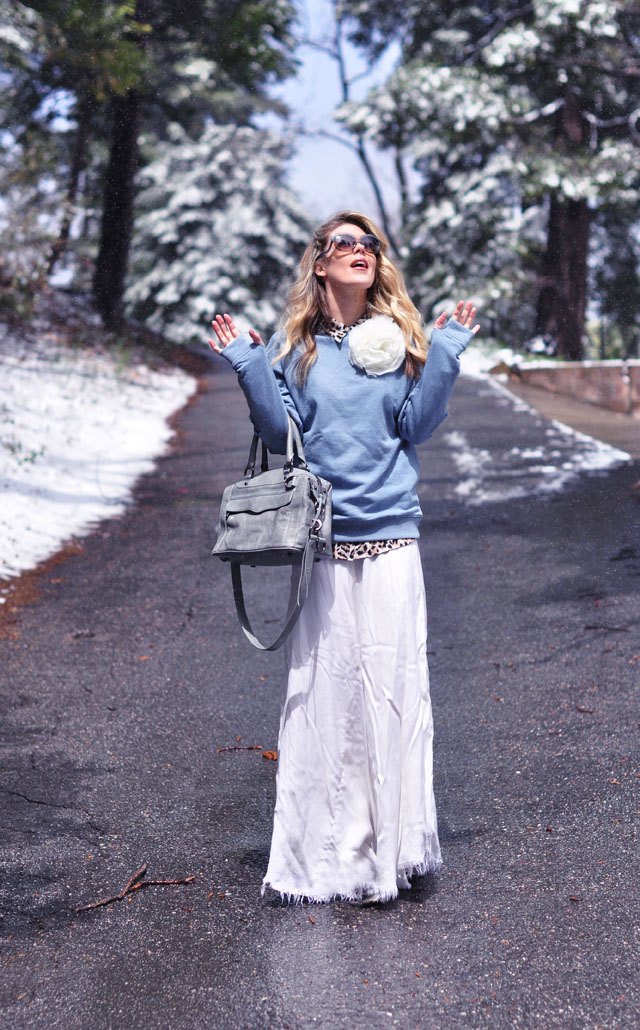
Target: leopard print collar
338 330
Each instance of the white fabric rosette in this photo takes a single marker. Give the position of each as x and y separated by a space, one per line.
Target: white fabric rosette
377 346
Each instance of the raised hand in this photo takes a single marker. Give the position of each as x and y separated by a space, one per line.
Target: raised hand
226 331
464 314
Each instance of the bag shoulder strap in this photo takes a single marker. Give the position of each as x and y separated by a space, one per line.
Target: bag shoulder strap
297 596
250 467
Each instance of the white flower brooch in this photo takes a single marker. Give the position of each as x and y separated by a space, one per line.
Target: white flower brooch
377 346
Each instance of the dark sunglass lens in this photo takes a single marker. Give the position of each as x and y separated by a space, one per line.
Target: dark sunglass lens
371 244
344 241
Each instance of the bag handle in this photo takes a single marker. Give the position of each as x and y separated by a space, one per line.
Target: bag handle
293 439
297 596
250 467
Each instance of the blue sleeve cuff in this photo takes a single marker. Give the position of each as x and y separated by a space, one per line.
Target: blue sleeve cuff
239 349
453 335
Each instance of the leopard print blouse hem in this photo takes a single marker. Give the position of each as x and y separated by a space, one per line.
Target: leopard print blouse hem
347 550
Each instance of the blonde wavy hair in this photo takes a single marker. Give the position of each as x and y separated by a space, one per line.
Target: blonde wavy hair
307 309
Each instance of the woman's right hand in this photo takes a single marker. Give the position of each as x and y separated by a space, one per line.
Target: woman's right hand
226 331
464 314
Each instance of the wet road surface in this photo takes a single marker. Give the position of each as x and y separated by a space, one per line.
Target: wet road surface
127 671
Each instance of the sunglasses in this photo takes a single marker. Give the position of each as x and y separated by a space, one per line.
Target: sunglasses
345 242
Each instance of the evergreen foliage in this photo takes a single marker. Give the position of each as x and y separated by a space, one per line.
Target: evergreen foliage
218 230
522 120
82 82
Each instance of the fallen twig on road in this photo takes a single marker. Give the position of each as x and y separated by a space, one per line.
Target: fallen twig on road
133 884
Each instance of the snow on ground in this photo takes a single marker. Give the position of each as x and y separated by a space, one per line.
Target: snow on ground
477 360
517 472
77 428
480 357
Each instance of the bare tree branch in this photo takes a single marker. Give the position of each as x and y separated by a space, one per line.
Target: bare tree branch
327 134
630 120
541 112
474 49
335 50
402 183
356 78
315 44
610 123
594 66
360 143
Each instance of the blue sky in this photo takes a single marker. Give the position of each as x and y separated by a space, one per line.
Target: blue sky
326 174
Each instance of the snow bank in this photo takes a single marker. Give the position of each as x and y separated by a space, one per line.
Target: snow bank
77 429
480 357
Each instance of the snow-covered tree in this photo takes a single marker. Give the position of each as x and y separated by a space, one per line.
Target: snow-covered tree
218 230
523 122
202 57
90 79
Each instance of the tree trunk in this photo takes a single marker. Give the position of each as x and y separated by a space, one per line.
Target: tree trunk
563 285
77 164
117 210
119 195
562 300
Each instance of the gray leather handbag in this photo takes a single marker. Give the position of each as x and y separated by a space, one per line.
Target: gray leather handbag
279 517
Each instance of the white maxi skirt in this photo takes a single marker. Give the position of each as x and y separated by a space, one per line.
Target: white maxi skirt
355 811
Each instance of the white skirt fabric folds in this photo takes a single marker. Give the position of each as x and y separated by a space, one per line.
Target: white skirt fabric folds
355 812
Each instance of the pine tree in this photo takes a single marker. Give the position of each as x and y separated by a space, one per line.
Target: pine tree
217 230
243 46
523 121
123 72
60 57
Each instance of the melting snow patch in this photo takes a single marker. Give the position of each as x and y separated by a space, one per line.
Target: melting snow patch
532 452
76 432
522 472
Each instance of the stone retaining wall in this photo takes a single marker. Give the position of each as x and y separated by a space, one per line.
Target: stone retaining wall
609 384
634 375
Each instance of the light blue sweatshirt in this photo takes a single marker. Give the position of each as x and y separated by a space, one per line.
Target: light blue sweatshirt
359 432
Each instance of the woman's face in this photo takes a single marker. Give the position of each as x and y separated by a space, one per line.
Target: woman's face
355 267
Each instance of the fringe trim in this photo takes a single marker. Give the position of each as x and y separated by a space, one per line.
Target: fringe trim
428 865
360 892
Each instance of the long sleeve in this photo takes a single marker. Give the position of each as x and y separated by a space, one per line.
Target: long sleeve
426 404
265 388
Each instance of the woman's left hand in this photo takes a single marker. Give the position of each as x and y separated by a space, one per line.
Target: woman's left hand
226 330
464 314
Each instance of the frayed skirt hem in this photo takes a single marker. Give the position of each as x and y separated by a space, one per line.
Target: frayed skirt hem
360 892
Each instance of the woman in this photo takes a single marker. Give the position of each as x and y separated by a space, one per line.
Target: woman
355 813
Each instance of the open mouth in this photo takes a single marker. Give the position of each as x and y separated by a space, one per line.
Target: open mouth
359 263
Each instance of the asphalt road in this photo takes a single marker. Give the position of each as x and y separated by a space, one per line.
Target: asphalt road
126 671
